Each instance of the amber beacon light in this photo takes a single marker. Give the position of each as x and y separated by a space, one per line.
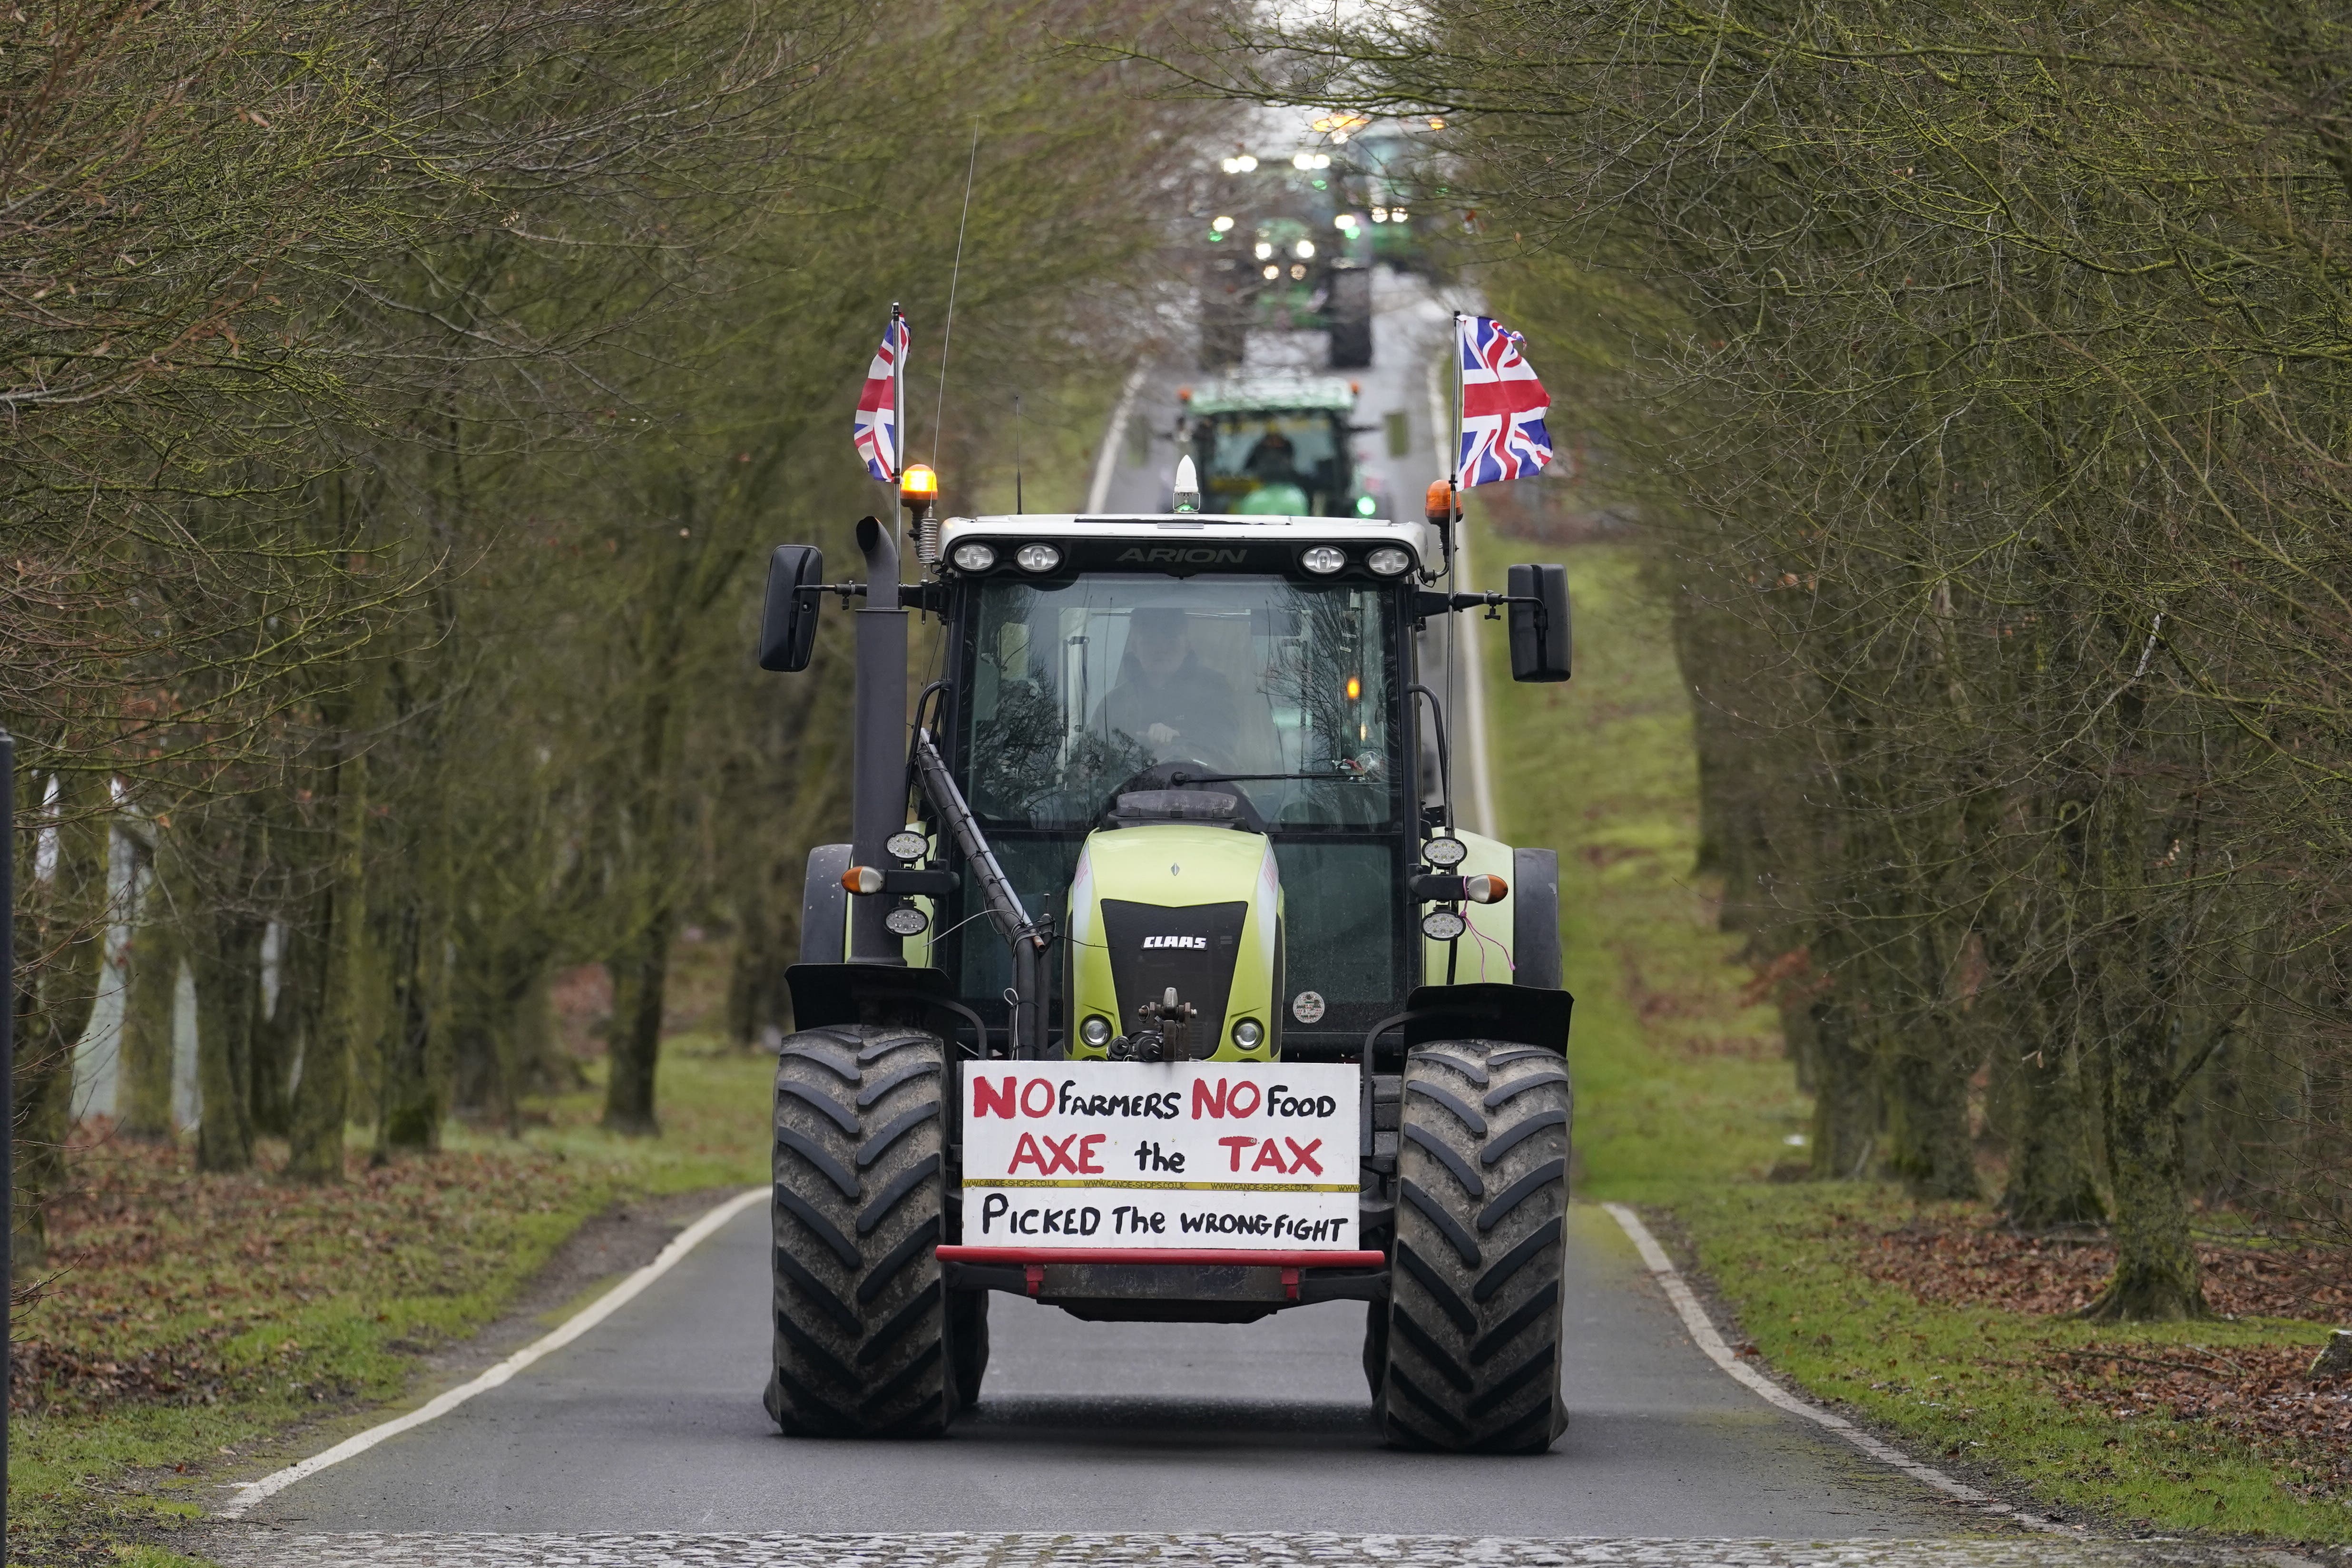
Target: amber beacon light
918 486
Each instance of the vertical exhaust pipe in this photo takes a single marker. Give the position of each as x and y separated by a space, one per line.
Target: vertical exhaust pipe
877 790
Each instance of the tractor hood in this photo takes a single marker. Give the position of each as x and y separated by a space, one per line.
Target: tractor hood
1164 904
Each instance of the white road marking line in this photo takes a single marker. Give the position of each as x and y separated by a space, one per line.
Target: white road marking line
1702 1333
579 1324
1098 493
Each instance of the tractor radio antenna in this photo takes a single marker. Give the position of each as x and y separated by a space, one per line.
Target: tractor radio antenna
947 333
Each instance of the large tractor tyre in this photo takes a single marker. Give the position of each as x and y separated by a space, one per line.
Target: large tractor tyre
867 1336
1468 1353
1348 315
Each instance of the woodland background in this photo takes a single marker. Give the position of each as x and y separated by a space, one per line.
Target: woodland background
1980 373
400 401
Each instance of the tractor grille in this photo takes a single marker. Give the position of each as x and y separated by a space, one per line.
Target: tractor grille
1193 947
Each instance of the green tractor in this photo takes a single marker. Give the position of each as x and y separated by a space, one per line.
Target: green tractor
1154 986
1277 446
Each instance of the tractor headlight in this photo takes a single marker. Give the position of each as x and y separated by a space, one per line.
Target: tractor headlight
905 920
912 843
1388 560
1248 1033
974 557
1447 852
1443 925
1324 559
1096 1031
1037 558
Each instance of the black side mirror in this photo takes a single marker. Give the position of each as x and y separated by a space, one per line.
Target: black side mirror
1539 626
788 619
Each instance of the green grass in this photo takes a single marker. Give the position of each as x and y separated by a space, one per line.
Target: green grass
246 1322
1683 1102
1975 1385
1680 1083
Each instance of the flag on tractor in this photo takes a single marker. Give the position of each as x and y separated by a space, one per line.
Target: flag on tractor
876 427
1503 405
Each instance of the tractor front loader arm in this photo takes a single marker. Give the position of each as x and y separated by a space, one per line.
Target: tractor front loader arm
1029 938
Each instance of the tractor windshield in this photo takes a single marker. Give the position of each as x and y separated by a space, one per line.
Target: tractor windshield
1291 464
1077 686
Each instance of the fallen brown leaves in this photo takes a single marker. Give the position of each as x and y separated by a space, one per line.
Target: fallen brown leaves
1964 1263
2259 1396
166 1287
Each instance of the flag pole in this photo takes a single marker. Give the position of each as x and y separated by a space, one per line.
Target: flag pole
898 395
1454 481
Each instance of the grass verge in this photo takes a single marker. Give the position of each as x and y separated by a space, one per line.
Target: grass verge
199 1329
1685 1105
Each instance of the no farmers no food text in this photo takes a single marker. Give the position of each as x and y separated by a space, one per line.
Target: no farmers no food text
1186 1154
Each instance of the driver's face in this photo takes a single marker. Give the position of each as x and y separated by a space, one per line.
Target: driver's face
1160 647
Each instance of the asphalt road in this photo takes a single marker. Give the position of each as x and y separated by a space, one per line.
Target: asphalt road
652 1422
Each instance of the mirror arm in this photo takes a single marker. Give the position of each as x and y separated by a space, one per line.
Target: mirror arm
846 589
1429 603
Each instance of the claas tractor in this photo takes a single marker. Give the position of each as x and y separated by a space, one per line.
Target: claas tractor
1154 984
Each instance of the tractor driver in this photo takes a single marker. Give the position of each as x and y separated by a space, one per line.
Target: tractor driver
1165 696
1274 460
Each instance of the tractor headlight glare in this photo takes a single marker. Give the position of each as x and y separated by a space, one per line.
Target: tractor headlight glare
974 557
1444 851
1096 1031
1443 925
1366 505
1037 558
1388 560
1248 1033
1323 559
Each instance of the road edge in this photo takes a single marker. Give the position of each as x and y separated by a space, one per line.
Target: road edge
249 1493
1704 1334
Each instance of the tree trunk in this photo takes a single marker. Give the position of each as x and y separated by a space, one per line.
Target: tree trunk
216 859
1846 1098
345 1018
60 954
640 978
149 989
2157 1270
412 1102
1928 1142
2052 1183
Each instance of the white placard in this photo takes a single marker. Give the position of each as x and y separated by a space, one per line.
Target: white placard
1230 1155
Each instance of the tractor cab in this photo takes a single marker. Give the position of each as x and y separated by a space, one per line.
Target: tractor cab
1146 927
1277 447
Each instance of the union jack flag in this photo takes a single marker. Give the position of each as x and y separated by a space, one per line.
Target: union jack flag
876 426
1503 405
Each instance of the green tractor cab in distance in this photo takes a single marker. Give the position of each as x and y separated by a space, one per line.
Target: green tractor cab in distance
1277 446
1153 857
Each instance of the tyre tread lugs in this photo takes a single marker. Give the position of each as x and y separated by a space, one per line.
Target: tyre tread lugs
1473 1340
860 1307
